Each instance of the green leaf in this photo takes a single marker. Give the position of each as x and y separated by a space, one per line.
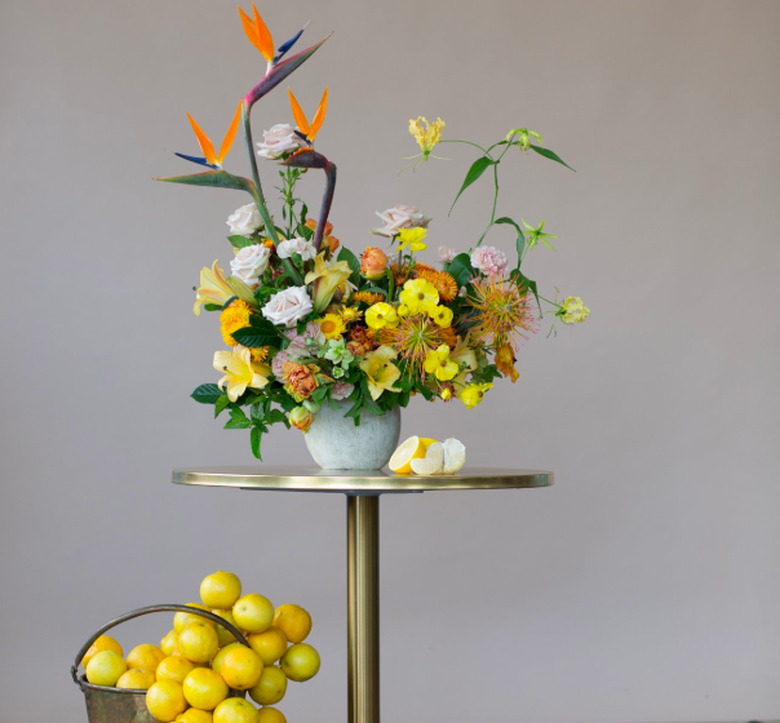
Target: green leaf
207 394
460 269
253 338
216 179
238 420
256 414
255 438
240 242
214 307
524 283
346 255
520 241
220 404
547 153
477 169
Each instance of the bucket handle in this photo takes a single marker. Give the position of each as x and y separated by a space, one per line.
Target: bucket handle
172 607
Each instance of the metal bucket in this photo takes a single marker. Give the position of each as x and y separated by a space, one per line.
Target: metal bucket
124 705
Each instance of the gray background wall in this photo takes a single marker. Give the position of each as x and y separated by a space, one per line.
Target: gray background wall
644 585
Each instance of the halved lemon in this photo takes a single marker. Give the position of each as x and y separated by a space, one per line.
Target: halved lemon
454 455
412 448
432 462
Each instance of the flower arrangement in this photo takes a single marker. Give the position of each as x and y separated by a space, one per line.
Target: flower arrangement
307 322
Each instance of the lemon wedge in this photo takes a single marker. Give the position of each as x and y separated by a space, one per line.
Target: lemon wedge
454 455
432 462
412 448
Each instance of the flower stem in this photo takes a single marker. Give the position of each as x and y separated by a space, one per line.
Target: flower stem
259 197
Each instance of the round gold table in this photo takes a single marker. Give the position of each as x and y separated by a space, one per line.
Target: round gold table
362 488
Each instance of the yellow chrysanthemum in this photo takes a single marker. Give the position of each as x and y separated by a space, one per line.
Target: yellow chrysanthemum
332 326
366 297
350 313
420 296
381 315
426 134
233 318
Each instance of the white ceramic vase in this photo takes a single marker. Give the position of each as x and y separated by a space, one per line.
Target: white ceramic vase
335 442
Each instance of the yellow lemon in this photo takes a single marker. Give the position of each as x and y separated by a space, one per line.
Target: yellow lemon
105 668
269 645
225 636
136 679
241 668
454 455
294 621
235 710
270 715
204 688
412 448
432 462
173 667
198 642
104 642
194 715
253 613
301 662
181 619
146 656
216 663
165 700
271 687
220 589
168 643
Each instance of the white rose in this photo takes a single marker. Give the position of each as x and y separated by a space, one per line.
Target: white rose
296 246
250 263
244 221
399 217
279 141
288 306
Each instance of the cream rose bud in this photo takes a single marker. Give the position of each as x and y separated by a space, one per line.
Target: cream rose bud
244 221
250 263
280 141
288 306
296 245
399 217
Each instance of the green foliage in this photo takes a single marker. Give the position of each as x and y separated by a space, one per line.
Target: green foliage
207 394
547 153
477 169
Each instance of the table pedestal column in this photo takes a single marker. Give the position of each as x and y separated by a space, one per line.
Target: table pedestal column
363 608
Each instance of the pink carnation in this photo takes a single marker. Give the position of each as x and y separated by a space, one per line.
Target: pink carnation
446 254
489 260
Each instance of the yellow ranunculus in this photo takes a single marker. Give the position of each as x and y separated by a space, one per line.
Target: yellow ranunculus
442 315
420 296
380 372
381 315
213 288
473 393
438 362
240 372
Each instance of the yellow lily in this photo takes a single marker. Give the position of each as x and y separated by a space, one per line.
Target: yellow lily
213 289
309 130
380 372
326 280
240 372
207 147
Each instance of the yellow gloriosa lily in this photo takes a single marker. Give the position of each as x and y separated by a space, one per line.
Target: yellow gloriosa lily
309 130
240 372
380 372
326 279
207 147
426 134
213 289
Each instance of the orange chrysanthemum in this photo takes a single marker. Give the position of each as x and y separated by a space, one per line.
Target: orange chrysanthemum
233 318
503 312
444 282
366 297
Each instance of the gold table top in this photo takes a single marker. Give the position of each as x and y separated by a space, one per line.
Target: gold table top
314 479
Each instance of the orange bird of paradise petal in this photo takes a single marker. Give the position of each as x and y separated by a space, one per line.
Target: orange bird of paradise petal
309 130
207 147
258 33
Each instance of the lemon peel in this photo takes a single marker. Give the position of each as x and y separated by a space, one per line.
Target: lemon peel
412 448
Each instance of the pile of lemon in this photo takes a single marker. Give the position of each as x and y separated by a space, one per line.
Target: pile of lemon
192 675
426 456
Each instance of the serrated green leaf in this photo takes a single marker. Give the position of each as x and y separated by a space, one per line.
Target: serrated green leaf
238 420
240 242
207 394
547 153
477 169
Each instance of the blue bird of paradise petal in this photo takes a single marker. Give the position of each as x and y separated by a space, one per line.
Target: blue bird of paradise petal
284 47
195 159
